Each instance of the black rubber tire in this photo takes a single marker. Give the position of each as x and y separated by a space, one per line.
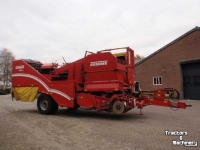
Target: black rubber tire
46 105
118 107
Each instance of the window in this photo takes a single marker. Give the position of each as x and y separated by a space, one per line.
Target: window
45 71
157 80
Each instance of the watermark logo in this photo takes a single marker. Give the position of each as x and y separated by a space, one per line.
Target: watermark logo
181 141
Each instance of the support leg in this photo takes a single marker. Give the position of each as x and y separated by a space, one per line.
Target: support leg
141 111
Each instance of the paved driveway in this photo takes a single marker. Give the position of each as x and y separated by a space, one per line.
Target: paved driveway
23 128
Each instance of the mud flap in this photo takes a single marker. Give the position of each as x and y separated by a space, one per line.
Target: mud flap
25 94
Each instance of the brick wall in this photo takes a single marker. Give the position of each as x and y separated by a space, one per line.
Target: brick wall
166 63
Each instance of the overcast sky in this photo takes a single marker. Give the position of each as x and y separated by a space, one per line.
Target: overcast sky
47 30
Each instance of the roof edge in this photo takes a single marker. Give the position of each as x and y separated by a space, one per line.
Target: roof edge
190 61
169 44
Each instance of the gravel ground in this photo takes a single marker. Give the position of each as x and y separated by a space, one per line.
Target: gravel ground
23 128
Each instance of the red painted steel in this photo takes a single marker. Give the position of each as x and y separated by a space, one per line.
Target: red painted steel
96 81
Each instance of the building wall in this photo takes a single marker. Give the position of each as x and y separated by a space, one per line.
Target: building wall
166 64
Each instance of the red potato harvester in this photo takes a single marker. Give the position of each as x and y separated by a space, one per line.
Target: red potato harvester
102 81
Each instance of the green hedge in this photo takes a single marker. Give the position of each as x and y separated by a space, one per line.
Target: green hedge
4 92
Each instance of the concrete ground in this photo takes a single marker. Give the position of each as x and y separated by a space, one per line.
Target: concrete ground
23 128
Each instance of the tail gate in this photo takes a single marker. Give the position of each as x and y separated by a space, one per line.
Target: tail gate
27 82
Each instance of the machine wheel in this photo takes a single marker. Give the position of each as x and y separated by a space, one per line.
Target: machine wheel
46 105
118 107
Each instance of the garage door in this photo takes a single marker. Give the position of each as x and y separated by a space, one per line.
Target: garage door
191 80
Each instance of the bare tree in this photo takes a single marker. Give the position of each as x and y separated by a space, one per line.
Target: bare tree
138 58
6 58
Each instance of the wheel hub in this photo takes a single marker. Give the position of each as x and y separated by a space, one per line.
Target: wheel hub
118 107
44 104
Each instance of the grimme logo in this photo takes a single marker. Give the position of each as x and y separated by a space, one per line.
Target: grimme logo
181 141
99 63
20 68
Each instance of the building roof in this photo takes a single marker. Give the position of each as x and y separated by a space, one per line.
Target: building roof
174 41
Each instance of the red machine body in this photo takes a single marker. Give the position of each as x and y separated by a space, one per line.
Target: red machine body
101 81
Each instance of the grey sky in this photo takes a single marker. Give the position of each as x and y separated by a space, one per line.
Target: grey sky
46 30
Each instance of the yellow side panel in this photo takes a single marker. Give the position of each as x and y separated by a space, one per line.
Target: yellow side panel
15 94
25 94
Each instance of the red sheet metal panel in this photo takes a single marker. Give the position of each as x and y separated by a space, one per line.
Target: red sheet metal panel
23 75
103 67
